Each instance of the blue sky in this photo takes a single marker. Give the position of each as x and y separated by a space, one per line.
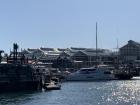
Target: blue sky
66 23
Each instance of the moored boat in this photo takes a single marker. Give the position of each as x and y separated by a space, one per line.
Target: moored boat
91 74
54 84
123 74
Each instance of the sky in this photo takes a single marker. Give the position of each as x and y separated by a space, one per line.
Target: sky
68 23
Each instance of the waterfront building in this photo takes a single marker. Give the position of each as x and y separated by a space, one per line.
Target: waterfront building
88 57
49 55
130 52
71 57
32 54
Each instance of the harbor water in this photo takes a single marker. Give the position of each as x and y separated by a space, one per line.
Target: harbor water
115 92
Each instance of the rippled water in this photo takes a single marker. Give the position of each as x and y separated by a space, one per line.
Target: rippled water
116 92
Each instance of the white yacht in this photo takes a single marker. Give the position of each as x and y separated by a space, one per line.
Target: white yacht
91 74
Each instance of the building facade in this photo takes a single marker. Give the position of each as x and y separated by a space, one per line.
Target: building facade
130 52
71 57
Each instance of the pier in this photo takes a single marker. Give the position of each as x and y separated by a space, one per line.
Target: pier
17 74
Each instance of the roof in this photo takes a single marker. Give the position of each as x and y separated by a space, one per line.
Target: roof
69 53
47 49
26 51
92 50
75 48
93 53
61 49
50 57
131 42
99 53
33 50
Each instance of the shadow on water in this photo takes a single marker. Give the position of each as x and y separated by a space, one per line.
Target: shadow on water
18 98
133 79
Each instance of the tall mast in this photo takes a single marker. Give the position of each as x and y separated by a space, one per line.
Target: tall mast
117 45
117 52
96 44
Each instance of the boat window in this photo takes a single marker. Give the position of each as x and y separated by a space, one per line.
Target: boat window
107 72
86 71
83 71
90 70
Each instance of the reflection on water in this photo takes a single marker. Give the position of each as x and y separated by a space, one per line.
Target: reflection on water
124 92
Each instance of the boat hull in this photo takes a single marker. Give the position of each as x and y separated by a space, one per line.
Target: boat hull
95 79
52 87
89 77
